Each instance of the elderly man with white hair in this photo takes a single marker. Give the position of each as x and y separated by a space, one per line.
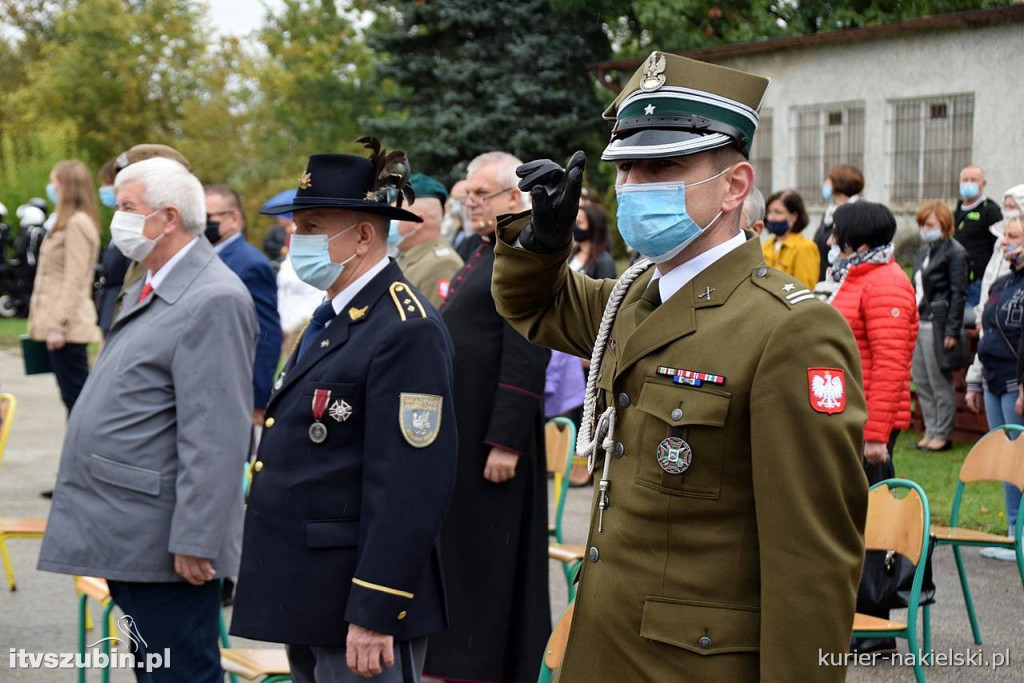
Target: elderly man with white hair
494 541
149 491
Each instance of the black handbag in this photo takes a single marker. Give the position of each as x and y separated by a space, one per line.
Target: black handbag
949 359
887 579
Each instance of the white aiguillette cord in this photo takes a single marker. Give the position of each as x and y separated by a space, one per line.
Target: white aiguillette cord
601 433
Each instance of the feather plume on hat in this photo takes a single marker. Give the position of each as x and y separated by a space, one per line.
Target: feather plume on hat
391 172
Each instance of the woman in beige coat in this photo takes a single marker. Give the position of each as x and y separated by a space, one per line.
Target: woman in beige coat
61 312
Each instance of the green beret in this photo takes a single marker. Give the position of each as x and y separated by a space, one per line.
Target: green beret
425 186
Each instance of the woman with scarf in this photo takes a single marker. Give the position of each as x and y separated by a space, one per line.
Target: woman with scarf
875 296
940 278
788 250
999 352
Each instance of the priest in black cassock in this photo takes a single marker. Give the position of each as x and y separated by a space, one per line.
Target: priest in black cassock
494 542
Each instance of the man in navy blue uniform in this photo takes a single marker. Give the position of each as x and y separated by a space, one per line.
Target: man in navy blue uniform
355 470
225 228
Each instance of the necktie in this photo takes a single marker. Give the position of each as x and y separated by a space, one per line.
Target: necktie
146 291
323 315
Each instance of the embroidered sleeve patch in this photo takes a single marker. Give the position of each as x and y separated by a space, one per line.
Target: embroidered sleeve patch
419 417
442 287
826 388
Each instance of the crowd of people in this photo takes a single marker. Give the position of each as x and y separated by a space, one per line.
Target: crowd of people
397 520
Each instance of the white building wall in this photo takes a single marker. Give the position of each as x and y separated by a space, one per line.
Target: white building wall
986 61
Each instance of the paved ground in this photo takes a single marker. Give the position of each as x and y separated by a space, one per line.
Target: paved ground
41 616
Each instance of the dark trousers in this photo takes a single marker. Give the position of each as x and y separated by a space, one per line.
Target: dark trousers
179 617
71 367
885 470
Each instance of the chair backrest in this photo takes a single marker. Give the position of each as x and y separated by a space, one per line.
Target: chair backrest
8 404
996 457
558 443
900 524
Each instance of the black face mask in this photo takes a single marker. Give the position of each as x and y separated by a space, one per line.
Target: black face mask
212 231
581 235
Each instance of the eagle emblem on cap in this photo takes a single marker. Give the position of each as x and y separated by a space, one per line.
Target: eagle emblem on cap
654 73
305 181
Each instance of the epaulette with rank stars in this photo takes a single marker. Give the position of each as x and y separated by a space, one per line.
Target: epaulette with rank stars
406 302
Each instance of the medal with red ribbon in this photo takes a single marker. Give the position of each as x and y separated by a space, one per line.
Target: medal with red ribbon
317 430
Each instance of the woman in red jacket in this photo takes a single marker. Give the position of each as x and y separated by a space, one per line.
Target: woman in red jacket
877 300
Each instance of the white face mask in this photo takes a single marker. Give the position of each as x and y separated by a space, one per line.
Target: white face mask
126 232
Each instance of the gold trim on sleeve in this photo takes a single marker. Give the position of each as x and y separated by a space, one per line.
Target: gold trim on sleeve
382 589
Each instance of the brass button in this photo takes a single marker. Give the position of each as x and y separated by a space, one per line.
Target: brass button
268 423
619 450
593 554
402 615
677 414
704 642
257 466
623 400
761 272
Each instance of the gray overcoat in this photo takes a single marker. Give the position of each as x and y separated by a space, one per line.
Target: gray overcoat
156 444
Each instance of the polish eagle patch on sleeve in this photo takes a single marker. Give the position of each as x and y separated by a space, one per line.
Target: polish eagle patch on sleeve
827 389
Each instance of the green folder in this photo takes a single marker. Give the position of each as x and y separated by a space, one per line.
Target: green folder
37 358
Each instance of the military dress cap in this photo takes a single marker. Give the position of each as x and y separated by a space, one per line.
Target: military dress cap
354 183
673 106
425 186
148 151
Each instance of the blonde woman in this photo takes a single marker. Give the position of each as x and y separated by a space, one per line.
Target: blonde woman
62 312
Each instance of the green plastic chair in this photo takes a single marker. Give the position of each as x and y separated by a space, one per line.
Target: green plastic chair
560 447
996 457
900 525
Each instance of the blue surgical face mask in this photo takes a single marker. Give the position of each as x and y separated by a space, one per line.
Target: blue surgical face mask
833 254
393 235
826 193
969 191
931 235
107 196
653 219
51 193
777 228
311 259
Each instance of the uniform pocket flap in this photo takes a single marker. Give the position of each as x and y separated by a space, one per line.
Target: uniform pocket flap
680 405
332 533
126 476
704 628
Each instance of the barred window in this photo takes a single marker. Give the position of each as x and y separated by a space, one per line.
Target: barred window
761 153
930 140
822 137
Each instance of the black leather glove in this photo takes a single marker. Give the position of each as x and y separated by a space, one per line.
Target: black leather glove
555 194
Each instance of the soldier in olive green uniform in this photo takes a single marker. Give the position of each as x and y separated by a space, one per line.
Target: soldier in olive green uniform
426 258
726 537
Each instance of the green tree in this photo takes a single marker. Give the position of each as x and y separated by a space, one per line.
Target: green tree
114 72
470 77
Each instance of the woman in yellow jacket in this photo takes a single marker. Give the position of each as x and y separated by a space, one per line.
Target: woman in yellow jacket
61 312
786 249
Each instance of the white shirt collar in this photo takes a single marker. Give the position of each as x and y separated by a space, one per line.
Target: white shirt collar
674 280
154 279
219 247
346 295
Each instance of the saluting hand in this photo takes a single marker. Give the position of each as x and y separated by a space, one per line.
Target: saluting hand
364 650
555 195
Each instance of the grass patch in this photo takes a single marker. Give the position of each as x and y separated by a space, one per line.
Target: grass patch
983 507
11 329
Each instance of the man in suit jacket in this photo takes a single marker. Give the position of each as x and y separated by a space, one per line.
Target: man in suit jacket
356 465
225 228
149 491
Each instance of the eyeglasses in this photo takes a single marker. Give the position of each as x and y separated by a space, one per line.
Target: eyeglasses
481 196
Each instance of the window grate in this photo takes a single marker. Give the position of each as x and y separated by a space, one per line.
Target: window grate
929 140
822 137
